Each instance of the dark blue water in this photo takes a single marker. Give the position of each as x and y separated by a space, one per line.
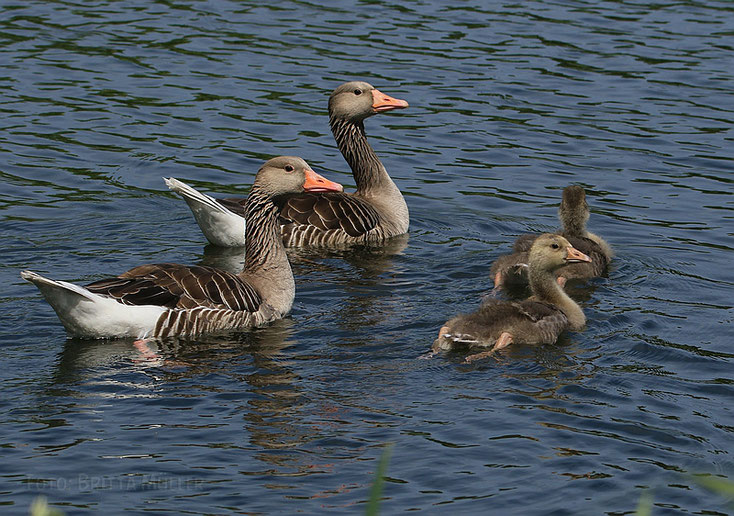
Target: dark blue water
509 103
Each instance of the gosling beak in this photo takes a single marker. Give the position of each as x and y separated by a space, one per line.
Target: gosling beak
382 102
316 183
573 255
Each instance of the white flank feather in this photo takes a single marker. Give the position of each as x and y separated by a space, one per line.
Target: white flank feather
220 226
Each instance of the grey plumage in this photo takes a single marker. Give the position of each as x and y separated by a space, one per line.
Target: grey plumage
537 320
512 269
165 299
375 212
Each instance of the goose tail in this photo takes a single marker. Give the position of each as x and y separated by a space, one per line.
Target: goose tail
57 289
220 226
192 195
89 315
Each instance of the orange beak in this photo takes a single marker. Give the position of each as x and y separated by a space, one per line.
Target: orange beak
316 183
573 255
382 102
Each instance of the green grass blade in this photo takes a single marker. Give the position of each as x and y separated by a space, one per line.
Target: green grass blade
40 507
715 484
644 506
373 504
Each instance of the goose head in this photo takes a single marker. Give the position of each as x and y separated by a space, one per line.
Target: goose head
574 211
357 100
287 175
549 252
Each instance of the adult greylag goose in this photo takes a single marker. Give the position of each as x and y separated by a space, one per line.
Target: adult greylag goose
374 212
512 269
536 320
170 299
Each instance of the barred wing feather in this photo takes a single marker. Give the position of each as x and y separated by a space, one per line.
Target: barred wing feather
180 286
331 211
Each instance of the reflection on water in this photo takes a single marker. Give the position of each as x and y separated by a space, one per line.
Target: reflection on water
362 274
261 389
509 104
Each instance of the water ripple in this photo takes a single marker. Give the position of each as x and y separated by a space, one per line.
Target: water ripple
509 103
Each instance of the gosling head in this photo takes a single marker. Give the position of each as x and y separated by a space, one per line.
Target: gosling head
549 252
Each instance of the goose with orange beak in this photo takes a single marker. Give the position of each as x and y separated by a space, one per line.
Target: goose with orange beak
375 212
169 299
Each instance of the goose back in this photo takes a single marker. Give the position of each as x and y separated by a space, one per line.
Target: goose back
529 322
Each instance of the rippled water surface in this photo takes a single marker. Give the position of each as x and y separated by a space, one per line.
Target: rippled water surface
509 103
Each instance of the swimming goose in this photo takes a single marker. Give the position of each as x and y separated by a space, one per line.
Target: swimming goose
374 212
536 320
170 299
512 269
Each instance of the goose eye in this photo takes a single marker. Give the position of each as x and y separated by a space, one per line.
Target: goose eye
555 246
357 91
289 168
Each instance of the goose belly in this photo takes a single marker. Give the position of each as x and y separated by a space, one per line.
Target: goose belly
196 321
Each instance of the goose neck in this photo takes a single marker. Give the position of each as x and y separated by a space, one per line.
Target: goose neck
266 264
263 246
545 288
368 171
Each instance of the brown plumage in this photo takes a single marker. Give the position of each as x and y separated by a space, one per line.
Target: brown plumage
180 286
374 212
165 299
536 320
512 270
330 211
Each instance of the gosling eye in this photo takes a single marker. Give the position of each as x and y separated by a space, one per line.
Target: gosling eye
357 91
555 246
289 168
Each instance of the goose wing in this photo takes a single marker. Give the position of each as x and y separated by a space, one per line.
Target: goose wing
510 269
329 211
325 211
539 311
236 206
599 260
180 286
547 320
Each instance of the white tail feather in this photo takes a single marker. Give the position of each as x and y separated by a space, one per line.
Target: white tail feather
192 194
49 284
219 225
